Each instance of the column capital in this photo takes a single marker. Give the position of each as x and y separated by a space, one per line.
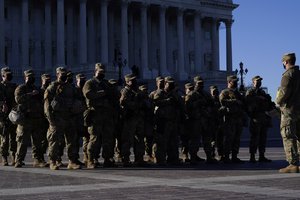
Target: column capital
228 22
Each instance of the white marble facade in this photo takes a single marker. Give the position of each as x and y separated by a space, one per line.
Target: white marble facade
166 37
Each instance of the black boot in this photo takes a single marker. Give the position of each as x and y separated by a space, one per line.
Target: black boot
236 160
262 158
252 158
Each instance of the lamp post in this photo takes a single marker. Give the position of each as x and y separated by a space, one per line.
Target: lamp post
242 72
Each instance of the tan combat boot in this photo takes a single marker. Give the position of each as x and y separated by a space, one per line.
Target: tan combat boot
4 161
73 165
290 169
53 165
39 163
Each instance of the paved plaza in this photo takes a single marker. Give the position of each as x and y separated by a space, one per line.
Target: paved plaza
219 181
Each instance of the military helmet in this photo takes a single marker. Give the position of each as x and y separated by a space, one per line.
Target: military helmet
29 73
5 70
198 79
100 67
258 78
129 77
232 78
288 56
169 79
46 76
61 70
80 76
188 86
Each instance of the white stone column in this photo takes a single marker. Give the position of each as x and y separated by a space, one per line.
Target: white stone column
83 33
124 30
111 35
2 33
37 38
146 74
163 41
25 34
60 39
91 36
215 44
104 32
70 38
15 30
198 43
181 73
228 24
48 35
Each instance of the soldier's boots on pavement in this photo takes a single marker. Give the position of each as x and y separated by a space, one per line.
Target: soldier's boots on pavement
236 160
40 163
262 158
290 169
13 159
73 165
252 158
53 165
18 164
108 163
4 161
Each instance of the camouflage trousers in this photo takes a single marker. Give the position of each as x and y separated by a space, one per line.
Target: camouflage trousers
133 136
101 135
27 132
167 141
291 141
63 129
198 132
232 132
8 139
258 137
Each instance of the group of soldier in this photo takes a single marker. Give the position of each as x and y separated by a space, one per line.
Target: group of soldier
112 119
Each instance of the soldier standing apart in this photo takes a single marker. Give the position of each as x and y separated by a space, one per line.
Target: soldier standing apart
59 108
198 106
29 101
167 103
46 80
232 103
287 99
99 118
8 130
258 103
131 103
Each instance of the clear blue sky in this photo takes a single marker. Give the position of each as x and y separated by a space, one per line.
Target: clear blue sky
263 30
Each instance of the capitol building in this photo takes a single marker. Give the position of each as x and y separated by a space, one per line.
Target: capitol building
155 37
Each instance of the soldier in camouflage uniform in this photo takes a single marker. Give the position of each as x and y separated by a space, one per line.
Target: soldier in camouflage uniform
59 107
216 122
151 142
8 130
79 121
46 80
198 105
29 101
287 99
258 103
116 119
99 118
167 104
233 111
184 136
131 103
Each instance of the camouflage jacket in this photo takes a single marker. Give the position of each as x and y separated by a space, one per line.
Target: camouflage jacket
59 100
198 104
32 105
288 95
131 102
98 95
168 105
233 102
258 102
9 92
